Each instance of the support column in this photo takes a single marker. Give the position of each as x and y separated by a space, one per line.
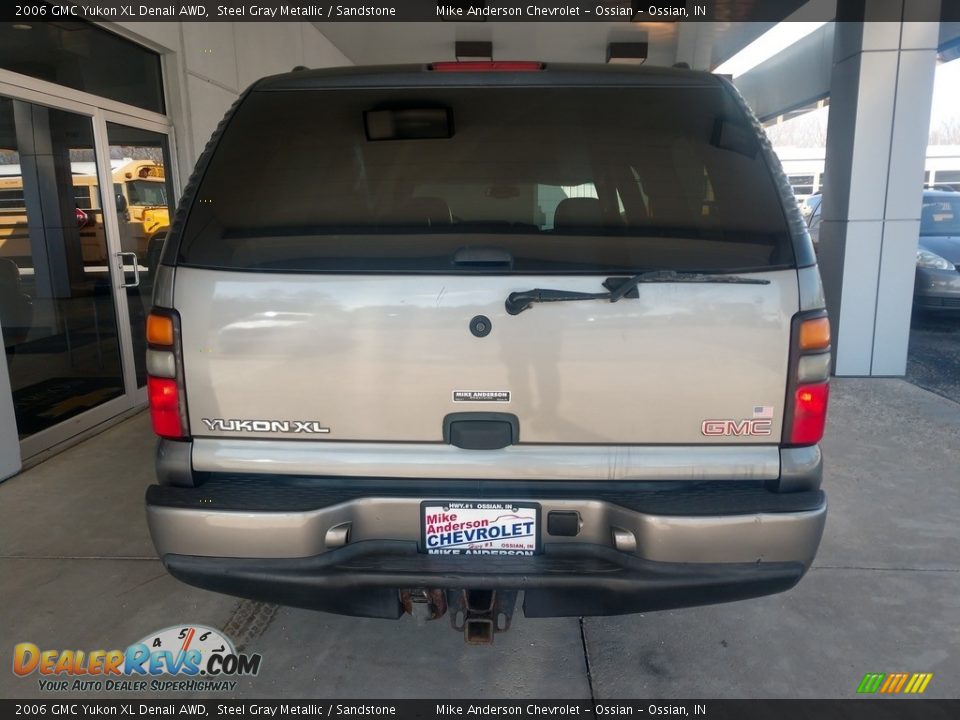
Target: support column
695 44
880 97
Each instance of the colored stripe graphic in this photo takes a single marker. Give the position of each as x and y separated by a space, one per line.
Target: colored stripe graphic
919 683
914 682
870 683
900 683
894 683
889 683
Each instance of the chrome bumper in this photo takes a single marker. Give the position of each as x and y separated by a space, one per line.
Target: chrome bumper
729 538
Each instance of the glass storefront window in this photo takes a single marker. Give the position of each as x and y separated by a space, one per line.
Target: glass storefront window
84 57
57 309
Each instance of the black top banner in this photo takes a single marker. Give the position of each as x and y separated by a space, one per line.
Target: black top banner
627 11
878 709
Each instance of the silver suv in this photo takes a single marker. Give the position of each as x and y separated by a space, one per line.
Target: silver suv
426 337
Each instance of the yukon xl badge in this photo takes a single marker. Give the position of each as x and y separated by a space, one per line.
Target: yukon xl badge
265 426
481 396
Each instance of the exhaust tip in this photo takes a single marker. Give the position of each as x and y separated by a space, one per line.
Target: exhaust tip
337 536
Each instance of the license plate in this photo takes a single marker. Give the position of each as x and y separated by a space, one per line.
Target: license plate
462 527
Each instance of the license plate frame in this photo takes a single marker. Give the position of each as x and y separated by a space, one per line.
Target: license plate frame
454 513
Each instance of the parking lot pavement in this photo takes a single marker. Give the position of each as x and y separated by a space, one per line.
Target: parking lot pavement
326 655
818 640
933 361
884 591
77 571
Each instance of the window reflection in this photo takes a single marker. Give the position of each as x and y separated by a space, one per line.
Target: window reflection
85 57
142 191
57 311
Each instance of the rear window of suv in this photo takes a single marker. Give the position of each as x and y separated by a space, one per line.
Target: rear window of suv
585 179
940 216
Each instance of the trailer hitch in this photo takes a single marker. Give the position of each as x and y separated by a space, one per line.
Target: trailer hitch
480 614
425 603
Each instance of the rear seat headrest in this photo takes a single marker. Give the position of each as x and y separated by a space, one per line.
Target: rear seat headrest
430 211
577 213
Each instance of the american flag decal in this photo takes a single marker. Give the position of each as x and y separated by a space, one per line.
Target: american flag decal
762 412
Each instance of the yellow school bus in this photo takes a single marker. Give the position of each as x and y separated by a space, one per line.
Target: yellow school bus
139 191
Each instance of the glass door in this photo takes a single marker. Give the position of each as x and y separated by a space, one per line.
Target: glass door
86 199
58 306
142 194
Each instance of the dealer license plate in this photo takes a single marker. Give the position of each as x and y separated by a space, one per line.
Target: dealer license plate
463 527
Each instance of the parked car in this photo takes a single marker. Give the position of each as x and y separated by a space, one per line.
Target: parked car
809 205
483 328
813 219
937 284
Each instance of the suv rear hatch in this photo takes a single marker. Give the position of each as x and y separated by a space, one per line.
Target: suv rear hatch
346 258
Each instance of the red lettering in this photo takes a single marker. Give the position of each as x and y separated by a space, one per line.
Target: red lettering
441 518
736 428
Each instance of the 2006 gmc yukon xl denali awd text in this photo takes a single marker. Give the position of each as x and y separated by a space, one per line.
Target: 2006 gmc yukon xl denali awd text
446 333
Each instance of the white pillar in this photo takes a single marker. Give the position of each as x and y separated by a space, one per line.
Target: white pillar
695 44
880 98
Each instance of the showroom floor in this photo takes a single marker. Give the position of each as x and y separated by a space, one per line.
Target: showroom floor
77 570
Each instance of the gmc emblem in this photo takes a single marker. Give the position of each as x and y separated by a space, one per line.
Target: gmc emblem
738 428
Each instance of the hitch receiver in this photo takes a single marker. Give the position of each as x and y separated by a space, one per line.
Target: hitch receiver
480 614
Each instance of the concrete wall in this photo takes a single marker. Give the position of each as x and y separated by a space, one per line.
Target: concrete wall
207 65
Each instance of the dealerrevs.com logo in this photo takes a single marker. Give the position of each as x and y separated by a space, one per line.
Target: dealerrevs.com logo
198 658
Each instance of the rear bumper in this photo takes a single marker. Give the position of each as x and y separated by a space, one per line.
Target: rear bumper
363 579
349 545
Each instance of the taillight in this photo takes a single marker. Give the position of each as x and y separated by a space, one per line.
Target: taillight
487 66
164 398
164 376
809 389
160 330
809 413
814 334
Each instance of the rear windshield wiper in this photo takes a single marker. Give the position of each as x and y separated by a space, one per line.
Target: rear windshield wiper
517 302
